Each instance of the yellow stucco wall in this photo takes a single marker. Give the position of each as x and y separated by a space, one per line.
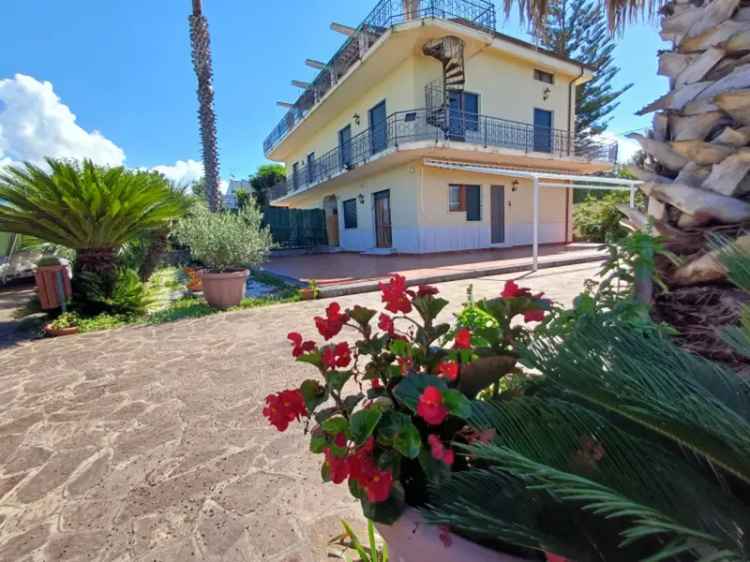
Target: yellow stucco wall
505 84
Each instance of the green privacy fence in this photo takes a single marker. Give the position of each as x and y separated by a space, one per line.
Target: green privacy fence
296 228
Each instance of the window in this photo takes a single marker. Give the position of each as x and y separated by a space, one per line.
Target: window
456 198
311 167
542 76
350 213
345 146
295 175
473 203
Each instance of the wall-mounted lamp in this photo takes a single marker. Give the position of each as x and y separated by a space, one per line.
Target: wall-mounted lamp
361 199
515 185
546 93
356 119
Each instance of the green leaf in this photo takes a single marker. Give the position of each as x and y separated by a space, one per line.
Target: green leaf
356 490
408 441
390 425
429 307
457 403
389 511
337 379
334 426
318 444
314 394
313 358
362 315
411 388
323 415
399 348
436 471
363 423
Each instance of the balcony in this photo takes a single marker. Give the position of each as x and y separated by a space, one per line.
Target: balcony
476 13
439 125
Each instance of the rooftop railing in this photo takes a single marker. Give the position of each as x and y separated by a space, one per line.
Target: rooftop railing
437 126
387 13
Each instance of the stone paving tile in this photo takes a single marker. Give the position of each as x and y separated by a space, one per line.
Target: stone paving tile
147 443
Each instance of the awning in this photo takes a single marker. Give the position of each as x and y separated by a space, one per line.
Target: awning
542 178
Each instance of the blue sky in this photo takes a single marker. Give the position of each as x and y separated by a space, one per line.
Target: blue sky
123 68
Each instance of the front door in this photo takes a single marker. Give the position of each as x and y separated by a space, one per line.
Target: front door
497 206
382 203
542 130
378 129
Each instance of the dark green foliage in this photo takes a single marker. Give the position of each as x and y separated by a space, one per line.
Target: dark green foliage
118 292
578 29
264 179
597 219
627 448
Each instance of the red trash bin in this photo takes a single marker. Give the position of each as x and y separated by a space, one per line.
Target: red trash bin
46 285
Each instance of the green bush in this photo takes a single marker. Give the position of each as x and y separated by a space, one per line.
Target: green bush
597 219
119 292
223 241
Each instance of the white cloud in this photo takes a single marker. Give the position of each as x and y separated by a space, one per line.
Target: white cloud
626 148
34 123
182 173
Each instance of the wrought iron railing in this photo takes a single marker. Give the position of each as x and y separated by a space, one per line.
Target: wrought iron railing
387 13
440 125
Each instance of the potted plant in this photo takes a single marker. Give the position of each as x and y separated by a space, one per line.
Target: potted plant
311 292
228 244
64 325
52 276
386 412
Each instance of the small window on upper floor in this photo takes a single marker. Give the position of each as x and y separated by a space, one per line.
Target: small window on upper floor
542 76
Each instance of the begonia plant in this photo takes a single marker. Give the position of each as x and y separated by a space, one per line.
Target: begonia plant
386 408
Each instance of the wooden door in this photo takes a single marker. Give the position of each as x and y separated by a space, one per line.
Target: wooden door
382 203
542 130
497 206
378 128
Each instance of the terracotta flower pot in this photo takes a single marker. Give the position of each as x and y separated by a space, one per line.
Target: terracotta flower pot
195 284
306 294
58 332
224 290
410 539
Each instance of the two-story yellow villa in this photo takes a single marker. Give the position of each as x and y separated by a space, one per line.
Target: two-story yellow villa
421 134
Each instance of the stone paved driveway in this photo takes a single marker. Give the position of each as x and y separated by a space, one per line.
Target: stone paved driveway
148 443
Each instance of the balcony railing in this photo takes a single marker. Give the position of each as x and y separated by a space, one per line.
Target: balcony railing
387 13
440 125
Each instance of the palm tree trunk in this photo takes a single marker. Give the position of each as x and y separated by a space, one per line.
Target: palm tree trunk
95 260
157 246
698 152
201 48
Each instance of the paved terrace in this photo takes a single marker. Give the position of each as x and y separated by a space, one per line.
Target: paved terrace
147 443
348 272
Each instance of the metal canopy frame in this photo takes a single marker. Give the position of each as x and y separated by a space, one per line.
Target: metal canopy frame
554 180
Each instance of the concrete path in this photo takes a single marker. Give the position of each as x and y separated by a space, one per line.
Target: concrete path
148 443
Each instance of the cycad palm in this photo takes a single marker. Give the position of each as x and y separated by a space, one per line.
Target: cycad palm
628 448
90 209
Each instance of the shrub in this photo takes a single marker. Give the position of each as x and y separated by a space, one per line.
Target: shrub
597 219
120 292
223 241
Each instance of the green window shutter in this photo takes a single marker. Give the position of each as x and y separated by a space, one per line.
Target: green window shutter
473 203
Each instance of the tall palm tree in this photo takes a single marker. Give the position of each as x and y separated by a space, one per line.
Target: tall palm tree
87 208
201 45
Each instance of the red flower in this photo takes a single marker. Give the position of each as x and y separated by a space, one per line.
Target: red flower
379 486
512 291
385 323
394 295
439 451
376 384
427 291
331 325
536 315
449 369
338 467
298 346
340 440
463 339
336 356
284 407
555 558
430 406
405 364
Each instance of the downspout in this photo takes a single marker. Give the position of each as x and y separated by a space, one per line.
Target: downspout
571 85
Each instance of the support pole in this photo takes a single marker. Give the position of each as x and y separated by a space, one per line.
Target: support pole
632 197
535 243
